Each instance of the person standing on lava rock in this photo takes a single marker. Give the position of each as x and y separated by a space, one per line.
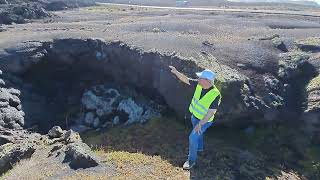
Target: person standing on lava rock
203 107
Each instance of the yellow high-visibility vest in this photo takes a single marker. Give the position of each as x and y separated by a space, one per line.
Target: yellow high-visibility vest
200 107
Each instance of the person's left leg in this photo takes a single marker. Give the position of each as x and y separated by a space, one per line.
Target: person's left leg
194 122
194 138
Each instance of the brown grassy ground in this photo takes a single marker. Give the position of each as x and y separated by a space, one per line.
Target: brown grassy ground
157 150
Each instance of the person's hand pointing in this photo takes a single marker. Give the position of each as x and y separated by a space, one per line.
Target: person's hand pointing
173 69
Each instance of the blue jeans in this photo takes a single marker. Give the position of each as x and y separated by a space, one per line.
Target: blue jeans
195 139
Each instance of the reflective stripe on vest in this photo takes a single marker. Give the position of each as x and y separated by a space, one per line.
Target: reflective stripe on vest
199 106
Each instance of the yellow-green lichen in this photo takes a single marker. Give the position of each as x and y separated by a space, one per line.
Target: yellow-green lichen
311 41
314 84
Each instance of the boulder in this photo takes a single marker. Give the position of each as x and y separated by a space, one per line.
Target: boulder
14 101
11 96
20 57
79 155
100 100
274 97
2 83
272 84
71 137
12 117
116 120
293 65
90 100
4 95
13 153
132 109
89 118
278 43
149 113
96 122
4 104
55 132
14 91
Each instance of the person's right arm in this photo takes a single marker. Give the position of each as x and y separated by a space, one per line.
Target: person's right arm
179 75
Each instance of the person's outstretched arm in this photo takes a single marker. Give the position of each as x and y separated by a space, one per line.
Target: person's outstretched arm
179 75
